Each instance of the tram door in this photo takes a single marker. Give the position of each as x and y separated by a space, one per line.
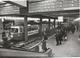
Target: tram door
1 29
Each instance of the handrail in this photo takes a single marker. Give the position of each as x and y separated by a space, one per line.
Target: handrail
36 44
26 43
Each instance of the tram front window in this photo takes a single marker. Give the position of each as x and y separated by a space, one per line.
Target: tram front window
14 30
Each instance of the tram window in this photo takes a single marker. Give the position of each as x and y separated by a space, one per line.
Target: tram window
16 30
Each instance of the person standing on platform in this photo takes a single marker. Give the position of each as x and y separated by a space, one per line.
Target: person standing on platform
73 29
58 37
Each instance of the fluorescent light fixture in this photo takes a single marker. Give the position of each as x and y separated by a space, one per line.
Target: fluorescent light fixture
52 20
60 18
35 19
45 20
17 18
78 19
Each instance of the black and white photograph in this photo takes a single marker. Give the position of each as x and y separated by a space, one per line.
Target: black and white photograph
39 28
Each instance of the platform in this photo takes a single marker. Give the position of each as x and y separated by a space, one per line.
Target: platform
69 48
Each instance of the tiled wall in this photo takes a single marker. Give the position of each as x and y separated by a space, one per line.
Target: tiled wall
53 5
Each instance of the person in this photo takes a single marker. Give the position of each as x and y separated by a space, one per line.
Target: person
77 27
45 36
73 29
44 47
64 33
58 37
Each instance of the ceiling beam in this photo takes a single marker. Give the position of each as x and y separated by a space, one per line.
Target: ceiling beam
10 2
35 1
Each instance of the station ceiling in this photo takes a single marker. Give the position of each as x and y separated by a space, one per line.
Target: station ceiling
21 3
51 13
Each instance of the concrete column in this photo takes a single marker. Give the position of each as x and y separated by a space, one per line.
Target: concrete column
40 26
26 28
27 6
54 22
26 22
49 23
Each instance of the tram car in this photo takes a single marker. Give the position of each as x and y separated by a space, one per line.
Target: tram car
17 32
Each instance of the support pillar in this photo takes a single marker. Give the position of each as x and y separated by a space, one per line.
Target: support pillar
26 22
40 29
49 24
54 22
26 28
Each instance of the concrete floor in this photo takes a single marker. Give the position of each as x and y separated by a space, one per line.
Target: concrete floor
69 48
